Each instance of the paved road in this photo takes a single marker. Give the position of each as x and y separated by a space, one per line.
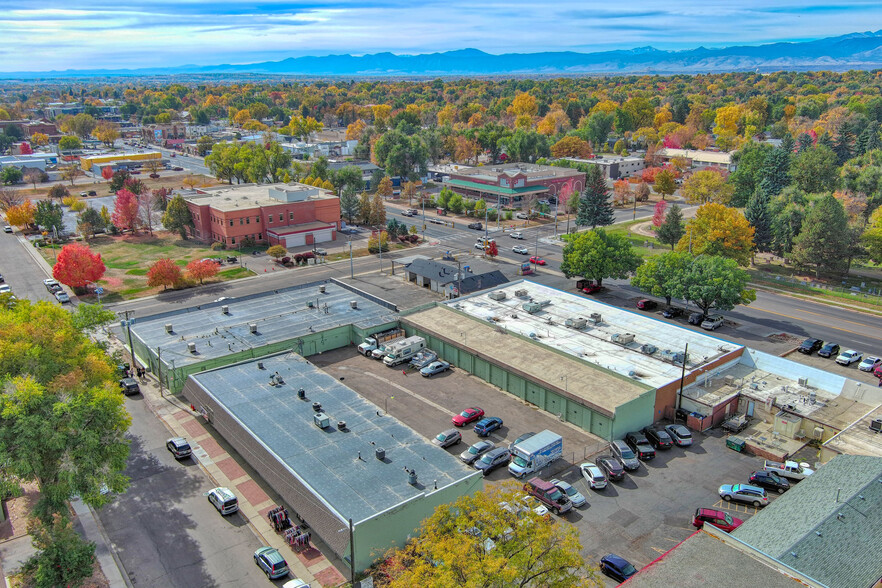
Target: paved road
20 270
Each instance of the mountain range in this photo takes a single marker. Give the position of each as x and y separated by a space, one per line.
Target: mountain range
852 51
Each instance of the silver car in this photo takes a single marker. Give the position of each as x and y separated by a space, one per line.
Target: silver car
624 454
680 434
744 493
475 451
574 495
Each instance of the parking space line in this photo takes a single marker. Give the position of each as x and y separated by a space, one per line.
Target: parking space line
408 392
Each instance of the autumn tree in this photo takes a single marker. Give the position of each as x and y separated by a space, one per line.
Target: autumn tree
658 216
69 143
595 208
364 208
164 272
596 255
571 147
277 252
384 188
40 139
81 125
21 215
664 183
719 230
126 211
706 186
491 250
58 191
77 265
201 269
378 211
34 176
71 173
106 132
872 236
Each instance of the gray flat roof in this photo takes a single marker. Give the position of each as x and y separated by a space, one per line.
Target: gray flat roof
328 460
279 315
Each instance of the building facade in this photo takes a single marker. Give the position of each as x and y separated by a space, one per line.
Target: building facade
513 185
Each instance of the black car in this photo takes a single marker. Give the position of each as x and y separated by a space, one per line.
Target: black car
477 226
809 346
658 438
646 304
639 444
696 318
769 481
829 350
672 312
611 467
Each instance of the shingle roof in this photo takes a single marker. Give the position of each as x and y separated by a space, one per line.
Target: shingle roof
829 526
446 274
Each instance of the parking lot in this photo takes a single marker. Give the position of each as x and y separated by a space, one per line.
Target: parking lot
639 518
851 371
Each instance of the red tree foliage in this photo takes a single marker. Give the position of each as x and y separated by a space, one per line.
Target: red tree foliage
492 250
659 217
164 272
648 175
26 148
107 173
199 269
77 266
125 211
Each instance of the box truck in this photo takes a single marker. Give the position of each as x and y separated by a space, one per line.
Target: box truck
535 453
404 351
374 341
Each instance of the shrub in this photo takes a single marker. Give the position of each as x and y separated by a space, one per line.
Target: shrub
217 245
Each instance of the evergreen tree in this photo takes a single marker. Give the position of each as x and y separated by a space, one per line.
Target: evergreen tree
842 146
349 205
826 140
873 140
595 208
775 173
671 230
824 239
787 143
804 142
758 215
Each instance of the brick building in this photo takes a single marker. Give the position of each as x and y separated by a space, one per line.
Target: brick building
292 214
512 185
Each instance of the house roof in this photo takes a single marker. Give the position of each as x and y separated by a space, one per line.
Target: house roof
829 526
446 274
495 189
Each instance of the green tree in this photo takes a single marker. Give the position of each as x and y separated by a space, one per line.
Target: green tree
222 161
48 214
443 200
760 218
82 125
455 203
11 175
204 145
671 230
597 129
69 143
715 282
595 208
349 176
401 155
664 183
815 170
526 145
596 255
90 222
863 176
177 216
775 173
719 230
498 542
660 275
872 237
349 204
490 137
746 178
63 558
706 186
823 241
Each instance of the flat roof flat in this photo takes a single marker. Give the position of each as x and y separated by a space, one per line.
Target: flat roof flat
279 315
245 196
858 438
339 466
594 343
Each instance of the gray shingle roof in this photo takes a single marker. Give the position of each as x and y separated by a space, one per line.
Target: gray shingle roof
446 274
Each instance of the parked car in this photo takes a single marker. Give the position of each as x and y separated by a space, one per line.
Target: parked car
680 435
696 318
7 229
522 216
617 568
516 235
640 445
2 279
672 312
744 493
129 386
93 193
870 363
54 289
658 438
436 367
493 459
472 454
50 283
718 518
588 286
769 481
611 467
223 500
447 438
829 350
407 213
487 425
849 357
271 562
467 416
476 226
62 297
523 437
520 249
574 495
178 447
537 260
593 475
549 495
713 322
623 453
646 304
5 289
809 346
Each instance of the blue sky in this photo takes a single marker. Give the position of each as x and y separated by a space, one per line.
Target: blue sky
38 35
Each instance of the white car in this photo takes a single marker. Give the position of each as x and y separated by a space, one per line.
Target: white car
849 357
522 216
5 289
712 322
574 495
7 229
593 475
516 235
521 249
869 364
479 245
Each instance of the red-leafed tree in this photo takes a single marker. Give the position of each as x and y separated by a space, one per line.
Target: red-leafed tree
648 174
107 173
164 272
77 265
492 250
200 269
659 216
25 148
125 211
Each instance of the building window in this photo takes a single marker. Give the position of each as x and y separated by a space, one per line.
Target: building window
231 222
290 216
257 220
247 220
260 236
270 218
233 240
241 221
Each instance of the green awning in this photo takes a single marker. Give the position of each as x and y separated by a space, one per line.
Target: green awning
498 190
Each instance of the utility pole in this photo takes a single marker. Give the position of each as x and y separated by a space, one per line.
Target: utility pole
351 553
351 271
682 377
129 328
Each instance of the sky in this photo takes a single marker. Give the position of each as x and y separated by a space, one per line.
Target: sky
43 35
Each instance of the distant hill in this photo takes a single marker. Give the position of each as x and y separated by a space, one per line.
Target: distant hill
852 51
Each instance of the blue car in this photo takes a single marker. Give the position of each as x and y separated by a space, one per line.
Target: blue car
617 568
487 426
436 367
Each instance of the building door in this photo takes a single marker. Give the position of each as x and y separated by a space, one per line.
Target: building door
322 236
295 240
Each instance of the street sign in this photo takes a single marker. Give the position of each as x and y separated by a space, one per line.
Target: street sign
99 290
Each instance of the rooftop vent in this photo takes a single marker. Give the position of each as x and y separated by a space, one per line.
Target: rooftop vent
309 304
260 365
301 394
522 293
412 477
341 425
321 420
317 406
168 328
576 323
380 453
225 309
253 328
497 295
322 289
595 318
353 304
802 382
191 347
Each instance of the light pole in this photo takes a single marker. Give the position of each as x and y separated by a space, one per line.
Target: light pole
351 270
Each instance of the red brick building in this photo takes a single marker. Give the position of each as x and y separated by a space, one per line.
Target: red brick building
292 214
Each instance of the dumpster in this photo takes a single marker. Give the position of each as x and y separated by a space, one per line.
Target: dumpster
736 443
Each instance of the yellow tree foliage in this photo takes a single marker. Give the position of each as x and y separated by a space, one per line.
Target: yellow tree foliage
242 117
571 147
647 135
354 130
447 115
466 149
254 125
476 120
727 119
525 121
384 188
21 215
4 115
523 105
40 139
661 117
719 230
554 122
707 186
381 112
605 106
327 185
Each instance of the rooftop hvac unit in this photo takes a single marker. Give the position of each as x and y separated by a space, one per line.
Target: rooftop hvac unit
309 304
802 382
321 420
534 307
322 289
817 433
353 304
876 425
380 453
595 318
225 309
622 338
260 365
679 357
317 406
522 293
497 295
648 348
729 380
253 328
576 323
168 328
191 347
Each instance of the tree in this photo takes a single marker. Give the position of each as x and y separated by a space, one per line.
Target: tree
863 175
760 218
491 250
201 269
63 558
378 241
11 175
595 208
378 211
364 208
527 550
384 188
671 230
77 266
277 252
40 139
775 173
664 183
815 170
746 178
48 214
872 237
81 125
525 145
658 217
824 239
597 254
706 186
409 190
125 211
597 129
69 143
58 191
21 215
177 216
302 127
34 176
107 133
349 203
660 275
90 222
9 197
713 281
204 145
71 173
571 147
164 272
719 230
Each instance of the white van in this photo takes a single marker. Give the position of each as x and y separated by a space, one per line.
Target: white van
223 500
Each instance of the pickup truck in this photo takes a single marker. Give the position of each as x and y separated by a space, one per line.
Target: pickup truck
788 469
549 495
372 342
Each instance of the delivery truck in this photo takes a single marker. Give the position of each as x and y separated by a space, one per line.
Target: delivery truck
374 341
404 351
533 454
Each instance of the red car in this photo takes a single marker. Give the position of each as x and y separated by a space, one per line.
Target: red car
467 416
591 289
646 304
718 518
537 260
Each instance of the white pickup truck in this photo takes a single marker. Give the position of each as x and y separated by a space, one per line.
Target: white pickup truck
789 469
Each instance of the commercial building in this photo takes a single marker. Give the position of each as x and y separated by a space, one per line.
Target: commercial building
512 185
361 480
615 168
31 161
449 280
167 135
87 162
698 159
29 127
293 215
